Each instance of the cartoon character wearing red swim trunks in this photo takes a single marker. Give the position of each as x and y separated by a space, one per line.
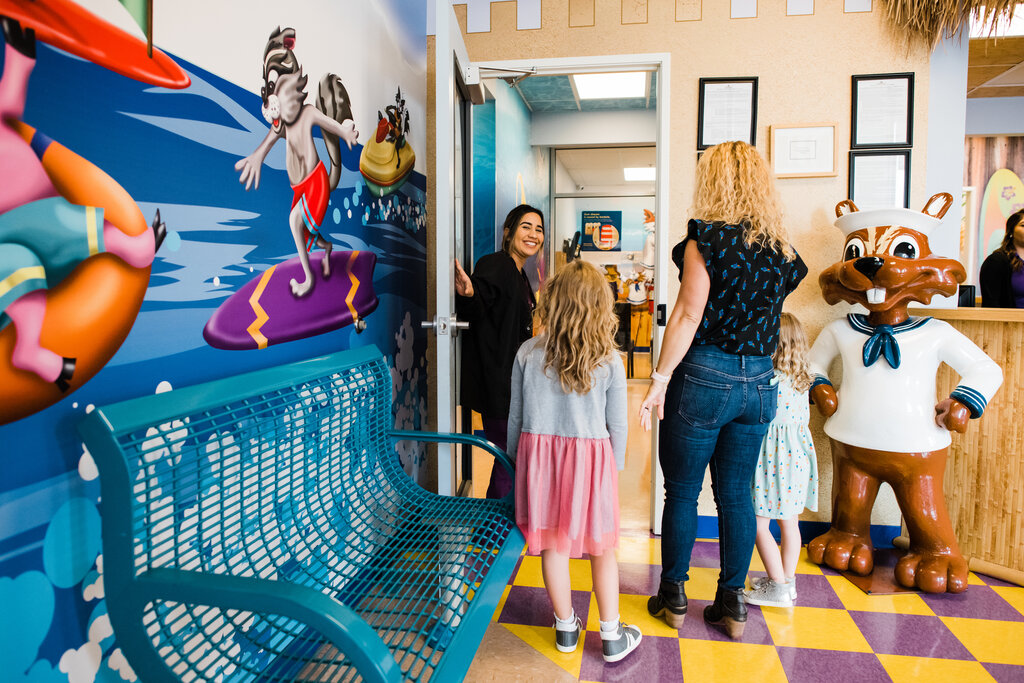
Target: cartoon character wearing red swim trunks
46 226
290 118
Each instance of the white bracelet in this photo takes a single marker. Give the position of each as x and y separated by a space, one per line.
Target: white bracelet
659 378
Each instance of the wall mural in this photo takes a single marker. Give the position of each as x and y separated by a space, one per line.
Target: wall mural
176 238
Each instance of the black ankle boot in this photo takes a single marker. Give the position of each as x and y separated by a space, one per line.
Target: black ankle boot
729 610
669 603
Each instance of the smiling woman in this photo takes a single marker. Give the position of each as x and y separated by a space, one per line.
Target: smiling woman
497 301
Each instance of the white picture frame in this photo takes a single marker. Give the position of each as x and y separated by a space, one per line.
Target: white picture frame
805 150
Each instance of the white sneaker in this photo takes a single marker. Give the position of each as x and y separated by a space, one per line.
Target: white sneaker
791 583
618 643
768 593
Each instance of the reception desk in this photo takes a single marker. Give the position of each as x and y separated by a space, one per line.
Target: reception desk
985 472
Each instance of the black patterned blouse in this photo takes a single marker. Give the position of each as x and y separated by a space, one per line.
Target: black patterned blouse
748 285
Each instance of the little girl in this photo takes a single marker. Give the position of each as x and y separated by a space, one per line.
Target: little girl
567 431
786 479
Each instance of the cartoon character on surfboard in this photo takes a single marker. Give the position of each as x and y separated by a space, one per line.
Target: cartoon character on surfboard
290 118
75 251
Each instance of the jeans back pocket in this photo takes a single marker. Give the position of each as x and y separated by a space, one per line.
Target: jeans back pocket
769 395
702 401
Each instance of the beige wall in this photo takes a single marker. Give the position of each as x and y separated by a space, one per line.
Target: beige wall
803 64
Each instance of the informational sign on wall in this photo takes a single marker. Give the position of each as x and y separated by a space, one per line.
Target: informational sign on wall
602 230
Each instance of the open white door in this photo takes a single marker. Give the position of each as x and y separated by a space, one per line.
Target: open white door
450 60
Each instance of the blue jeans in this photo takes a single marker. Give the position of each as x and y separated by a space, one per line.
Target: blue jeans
717 409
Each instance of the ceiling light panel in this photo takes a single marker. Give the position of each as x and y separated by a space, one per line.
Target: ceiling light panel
611 86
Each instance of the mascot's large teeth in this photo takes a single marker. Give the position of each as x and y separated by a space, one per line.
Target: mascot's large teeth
876 295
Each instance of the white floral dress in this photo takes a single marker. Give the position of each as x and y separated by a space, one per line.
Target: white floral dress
786 479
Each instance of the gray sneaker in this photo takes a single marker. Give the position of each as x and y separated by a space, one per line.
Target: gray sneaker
566 641
768 593
790 583
620 642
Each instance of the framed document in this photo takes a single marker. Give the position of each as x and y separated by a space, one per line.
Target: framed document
880 179
803 151
883 111
726 111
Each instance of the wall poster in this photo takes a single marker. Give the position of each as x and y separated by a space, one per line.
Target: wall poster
602 230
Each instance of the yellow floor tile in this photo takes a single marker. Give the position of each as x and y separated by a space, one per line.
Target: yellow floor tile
702 584
997 642
530 574
913 669
1013 595
542 639
710 661
501 603
855 599
974 580
637 549
815 627
632 610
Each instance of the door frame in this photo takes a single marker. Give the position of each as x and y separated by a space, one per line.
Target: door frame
661 64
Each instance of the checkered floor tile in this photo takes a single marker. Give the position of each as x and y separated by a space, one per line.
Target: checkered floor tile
834 633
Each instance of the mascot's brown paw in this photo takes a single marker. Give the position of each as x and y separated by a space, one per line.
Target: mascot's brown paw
843 552
932 572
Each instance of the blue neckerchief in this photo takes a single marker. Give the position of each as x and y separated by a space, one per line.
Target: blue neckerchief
882 339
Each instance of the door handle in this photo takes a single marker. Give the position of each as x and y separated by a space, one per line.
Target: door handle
444 325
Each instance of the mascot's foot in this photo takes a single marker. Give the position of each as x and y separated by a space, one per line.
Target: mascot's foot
932 572
843 552
159 231
301 288
325 262
66 371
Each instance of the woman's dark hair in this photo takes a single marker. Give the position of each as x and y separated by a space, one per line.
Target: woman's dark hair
1007 247
512 222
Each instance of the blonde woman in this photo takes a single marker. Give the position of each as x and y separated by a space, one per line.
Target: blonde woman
786 477
567 432
714 373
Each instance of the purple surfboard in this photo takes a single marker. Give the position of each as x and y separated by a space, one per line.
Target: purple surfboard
264 311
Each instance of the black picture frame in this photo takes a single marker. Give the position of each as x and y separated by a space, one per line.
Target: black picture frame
704 141
863 136
869 201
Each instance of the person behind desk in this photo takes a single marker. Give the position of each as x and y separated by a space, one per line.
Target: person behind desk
497 301
1002 273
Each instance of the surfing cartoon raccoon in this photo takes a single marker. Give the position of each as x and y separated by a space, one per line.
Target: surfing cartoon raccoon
284 108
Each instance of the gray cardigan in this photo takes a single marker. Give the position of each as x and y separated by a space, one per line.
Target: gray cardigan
539 405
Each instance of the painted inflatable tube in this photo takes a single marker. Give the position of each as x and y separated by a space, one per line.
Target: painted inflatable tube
385 168
88 314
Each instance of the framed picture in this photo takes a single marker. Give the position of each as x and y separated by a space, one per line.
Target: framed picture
726 111
803 150
883 111
880 179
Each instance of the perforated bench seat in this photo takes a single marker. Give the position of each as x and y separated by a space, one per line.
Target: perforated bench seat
261 528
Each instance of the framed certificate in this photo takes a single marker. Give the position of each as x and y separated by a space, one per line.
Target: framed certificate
726 111
803 151
883 111
880 179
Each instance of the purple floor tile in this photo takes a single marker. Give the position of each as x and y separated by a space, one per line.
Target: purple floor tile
530 606
977 602
993 581
655 659
639 579
705 554
909 635
812 590
813 666
1005 673
756 630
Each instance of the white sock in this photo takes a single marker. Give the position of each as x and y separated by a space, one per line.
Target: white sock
566 624
609 627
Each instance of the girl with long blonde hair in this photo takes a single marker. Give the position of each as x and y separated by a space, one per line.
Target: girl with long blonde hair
786 477
567 432
715 372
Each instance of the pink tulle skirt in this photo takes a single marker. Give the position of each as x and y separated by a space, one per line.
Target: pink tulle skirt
567 494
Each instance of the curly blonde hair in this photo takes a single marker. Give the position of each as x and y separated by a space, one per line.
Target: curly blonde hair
579 324
734 185
790 357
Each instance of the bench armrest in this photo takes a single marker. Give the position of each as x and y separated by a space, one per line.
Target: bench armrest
453 437
336 622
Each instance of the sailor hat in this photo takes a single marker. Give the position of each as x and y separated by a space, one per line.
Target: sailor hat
907 218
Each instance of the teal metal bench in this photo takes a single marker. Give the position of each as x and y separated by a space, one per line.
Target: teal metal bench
260 528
